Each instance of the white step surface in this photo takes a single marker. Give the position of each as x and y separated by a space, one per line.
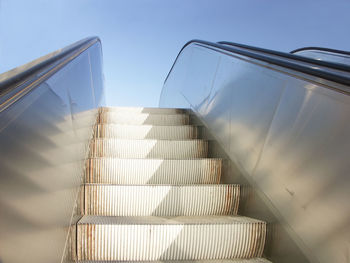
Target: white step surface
143 118
169 238
168 149
250 260
121 131
152 171
143 110
161 200
170 206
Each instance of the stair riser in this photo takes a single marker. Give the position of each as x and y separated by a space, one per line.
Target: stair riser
151 171
149 149
145 132
113 200
170 242
144 119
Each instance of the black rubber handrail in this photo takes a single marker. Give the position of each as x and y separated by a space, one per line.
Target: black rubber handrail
332 65
322 49
15 86
279 61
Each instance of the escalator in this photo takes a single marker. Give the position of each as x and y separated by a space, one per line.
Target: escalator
154 196
244 161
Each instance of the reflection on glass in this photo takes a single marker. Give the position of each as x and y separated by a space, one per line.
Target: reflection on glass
43 142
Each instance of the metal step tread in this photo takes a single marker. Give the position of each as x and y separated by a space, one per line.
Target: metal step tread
143 118
169 238
152 110
153 171
251 260
161 200
168 220
149 140
149 148
146 131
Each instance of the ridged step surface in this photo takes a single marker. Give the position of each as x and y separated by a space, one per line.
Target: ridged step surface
152 171
142 110
251 260
143 118
169 238
122 131
161 200
168 149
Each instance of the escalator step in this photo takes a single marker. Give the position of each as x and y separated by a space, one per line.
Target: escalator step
143 110
161 200
250 260
152 171
169 238
120 131
168 149
143 118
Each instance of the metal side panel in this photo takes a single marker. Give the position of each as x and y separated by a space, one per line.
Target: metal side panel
169 149
161 200
41 162
153 171
146 132
287 133
143 118
169 238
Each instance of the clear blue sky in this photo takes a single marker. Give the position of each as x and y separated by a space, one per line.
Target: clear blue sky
141 38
